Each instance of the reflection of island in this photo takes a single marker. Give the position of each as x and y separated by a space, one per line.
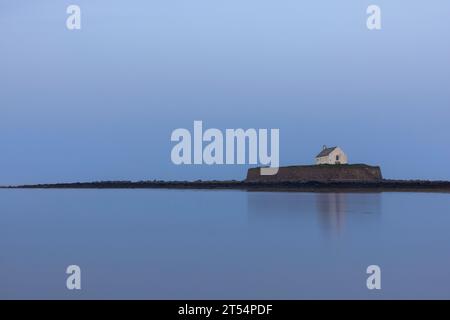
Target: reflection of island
332 211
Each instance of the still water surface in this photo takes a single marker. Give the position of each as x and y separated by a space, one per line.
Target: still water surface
185 244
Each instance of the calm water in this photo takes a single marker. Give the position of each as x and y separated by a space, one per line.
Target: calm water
166 244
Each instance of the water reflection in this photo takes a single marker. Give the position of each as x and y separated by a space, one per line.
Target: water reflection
332 212
331 208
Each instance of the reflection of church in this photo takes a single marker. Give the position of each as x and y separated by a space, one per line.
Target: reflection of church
332 208
331 212
335 208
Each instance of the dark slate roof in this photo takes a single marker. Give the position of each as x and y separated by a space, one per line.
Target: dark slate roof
325 152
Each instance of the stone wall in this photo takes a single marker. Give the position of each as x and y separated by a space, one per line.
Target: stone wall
322 173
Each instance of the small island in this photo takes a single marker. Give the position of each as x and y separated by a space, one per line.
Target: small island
331 173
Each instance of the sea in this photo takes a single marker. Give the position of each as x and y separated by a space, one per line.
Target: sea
223 244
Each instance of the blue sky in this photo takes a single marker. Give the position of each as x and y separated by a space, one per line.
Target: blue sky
101 103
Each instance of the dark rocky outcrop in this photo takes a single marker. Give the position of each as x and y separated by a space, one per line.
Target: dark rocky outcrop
296 186
320 173
319 178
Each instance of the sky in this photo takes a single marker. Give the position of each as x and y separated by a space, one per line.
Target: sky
101 103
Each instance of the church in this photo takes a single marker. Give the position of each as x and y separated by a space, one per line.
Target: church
333 155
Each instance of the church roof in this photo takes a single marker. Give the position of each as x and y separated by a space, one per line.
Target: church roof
325 152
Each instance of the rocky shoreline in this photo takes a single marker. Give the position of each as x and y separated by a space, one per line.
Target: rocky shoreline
297 186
